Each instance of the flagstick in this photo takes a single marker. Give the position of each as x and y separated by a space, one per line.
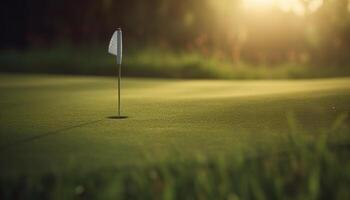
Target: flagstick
119 77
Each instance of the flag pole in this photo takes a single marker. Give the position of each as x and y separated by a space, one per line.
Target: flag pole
119 78
115 48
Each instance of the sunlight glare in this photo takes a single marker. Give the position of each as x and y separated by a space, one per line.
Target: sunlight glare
294 6
253 4
315 4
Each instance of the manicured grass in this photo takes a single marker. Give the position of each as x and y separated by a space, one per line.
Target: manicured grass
53 123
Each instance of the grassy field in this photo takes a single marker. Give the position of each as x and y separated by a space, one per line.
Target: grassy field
61 123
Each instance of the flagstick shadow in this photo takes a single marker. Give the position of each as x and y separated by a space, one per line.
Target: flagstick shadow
117 117
15 143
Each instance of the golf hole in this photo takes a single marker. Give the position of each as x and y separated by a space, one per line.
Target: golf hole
117 117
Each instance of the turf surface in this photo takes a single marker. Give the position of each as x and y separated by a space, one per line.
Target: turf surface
59 122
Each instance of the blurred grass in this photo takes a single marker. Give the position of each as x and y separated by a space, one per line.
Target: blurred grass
310 167
153 62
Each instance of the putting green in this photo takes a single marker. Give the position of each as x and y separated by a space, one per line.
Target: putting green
59 122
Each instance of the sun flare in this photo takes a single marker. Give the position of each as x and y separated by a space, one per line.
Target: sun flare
294 6
258 3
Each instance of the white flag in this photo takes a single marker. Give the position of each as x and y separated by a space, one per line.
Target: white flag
116 45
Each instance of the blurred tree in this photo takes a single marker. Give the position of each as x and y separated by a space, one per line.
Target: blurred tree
219 28
13 23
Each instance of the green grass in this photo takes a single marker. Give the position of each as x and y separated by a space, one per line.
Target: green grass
305 169
59 126
155 62
214 117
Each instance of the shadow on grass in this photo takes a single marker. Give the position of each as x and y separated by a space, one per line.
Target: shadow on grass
117 117
7 146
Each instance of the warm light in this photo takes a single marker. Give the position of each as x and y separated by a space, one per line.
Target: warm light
258 3
314 5
294 6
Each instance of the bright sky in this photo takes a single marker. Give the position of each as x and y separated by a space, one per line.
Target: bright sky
286 5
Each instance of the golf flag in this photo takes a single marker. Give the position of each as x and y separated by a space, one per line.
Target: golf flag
116 45
115 48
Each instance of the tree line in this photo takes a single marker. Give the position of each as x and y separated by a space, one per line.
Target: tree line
214 28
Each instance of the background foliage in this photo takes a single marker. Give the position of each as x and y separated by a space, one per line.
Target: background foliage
222 30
